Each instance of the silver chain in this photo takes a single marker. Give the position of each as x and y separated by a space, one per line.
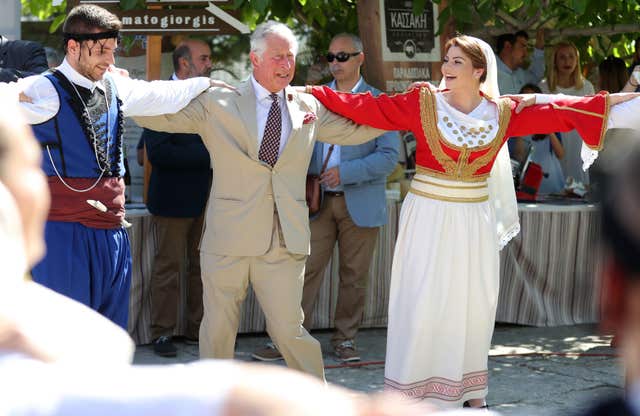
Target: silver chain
95 145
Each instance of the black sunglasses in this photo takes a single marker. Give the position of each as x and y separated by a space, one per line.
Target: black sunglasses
341 56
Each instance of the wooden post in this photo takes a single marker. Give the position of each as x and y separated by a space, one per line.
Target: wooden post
154 52
388 69
153 61
369 24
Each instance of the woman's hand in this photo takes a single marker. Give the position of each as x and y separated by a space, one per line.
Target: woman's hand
621 97
632 82
118 71
24 98
214 83
523 100
420 84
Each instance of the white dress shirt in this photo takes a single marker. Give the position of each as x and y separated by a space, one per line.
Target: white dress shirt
263 104
511 81
139 98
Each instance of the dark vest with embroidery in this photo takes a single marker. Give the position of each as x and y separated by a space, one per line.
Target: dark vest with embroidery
82 155
76 137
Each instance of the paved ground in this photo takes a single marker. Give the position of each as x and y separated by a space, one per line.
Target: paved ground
533 371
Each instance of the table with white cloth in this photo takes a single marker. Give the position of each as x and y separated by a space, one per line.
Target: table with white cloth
548 273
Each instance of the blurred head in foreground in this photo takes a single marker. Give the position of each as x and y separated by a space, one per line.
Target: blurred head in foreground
621 242
24 192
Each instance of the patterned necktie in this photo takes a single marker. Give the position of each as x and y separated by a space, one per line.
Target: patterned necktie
271 140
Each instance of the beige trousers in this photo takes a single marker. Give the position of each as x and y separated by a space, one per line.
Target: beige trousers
355 246
177 239
277 279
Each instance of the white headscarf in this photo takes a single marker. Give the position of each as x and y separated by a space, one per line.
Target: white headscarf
502 193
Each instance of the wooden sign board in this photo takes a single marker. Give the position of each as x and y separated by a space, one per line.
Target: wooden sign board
406 37
206 20
400 47
173 21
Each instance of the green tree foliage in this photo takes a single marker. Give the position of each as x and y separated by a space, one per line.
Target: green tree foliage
45 10
598 27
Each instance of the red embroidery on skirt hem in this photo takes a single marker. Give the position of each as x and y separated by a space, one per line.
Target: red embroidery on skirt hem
439 387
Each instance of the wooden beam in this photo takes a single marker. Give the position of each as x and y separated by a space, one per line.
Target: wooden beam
154 67
154 56
369 24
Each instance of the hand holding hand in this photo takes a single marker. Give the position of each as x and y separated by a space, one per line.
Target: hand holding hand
119 71
331 177
24 98
621 97
301 89
523 100
420 84
221 84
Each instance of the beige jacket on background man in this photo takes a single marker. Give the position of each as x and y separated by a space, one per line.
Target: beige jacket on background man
239 216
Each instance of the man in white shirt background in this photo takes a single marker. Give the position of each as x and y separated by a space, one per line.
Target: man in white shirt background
512 51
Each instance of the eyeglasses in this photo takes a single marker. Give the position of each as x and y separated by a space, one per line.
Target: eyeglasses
341 56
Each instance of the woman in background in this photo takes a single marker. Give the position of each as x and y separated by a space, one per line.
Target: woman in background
565 77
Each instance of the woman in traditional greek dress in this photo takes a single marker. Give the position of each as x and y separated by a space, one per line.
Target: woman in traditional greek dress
460 211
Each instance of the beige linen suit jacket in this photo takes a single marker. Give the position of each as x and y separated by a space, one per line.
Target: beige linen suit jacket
239 217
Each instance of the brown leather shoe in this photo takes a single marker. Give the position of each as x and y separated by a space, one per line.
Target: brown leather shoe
268 353
346 351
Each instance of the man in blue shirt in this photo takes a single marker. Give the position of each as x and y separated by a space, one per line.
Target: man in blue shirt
512 52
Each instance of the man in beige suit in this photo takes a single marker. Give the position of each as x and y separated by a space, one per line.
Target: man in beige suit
260 139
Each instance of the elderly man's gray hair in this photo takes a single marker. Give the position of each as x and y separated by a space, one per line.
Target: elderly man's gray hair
271 27
357 43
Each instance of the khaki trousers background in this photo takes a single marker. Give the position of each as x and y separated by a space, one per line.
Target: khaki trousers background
356 246
177 240
277 278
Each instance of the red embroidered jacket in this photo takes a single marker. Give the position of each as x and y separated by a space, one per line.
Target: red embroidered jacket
416 111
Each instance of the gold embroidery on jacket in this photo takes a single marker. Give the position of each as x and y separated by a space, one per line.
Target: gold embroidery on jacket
605 116
460 169
449 198
449 186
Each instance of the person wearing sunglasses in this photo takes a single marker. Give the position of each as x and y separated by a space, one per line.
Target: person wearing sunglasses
342 56
353 209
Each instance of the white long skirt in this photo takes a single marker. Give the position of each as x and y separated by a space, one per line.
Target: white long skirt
442 306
